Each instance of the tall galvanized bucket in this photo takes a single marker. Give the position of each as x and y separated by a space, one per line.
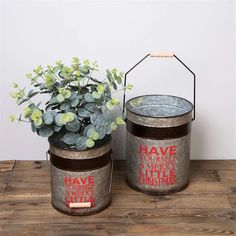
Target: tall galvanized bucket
158 130
81 180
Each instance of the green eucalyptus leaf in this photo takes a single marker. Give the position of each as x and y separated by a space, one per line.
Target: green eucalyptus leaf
57 128
58 120
65 118
84 70
63 75
38 121
109 105
108 72
73 95
45 131
70 138
108 129
112 103
88 97
33 128
81 143
92 107
32 106
113 126
36 114
90 131
48 117
94 135
56 69
60 98
49 81
53 100
90 126
75 101
90 143
96 95
108 92
118 79
129 86
27 112
83 112
109 76
114 85
65 107
101 88
67 93
97 119
119 120
101 130
73 126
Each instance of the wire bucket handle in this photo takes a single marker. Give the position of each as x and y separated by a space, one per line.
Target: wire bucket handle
165 55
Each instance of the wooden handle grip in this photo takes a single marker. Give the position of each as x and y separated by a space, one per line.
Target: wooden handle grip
161 54
80 204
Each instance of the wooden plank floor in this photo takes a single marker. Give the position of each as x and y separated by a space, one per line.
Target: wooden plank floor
206 207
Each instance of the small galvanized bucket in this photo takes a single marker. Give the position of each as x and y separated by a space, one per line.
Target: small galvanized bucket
158 140
81 180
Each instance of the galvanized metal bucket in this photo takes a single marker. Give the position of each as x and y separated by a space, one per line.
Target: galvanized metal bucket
158 130
81 180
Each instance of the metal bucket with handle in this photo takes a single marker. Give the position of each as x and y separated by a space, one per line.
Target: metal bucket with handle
158 136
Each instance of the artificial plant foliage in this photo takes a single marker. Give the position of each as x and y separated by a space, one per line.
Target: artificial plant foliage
79 106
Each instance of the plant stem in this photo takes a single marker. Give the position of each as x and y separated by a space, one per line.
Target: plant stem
25 121
57 78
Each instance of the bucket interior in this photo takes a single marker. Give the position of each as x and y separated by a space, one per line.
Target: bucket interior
159 106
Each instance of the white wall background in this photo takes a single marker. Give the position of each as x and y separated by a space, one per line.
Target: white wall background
118 34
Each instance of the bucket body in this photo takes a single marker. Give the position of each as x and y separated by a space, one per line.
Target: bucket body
81 180
158 143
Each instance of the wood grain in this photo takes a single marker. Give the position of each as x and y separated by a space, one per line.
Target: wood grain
206 207
227 175
7 165
232 199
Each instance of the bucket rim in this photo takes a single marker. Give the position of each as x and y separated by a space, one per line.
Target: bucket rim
159 117
83 151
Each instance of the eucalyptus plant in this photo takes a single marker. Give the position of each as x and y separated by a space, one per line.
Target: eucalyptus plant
79 107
